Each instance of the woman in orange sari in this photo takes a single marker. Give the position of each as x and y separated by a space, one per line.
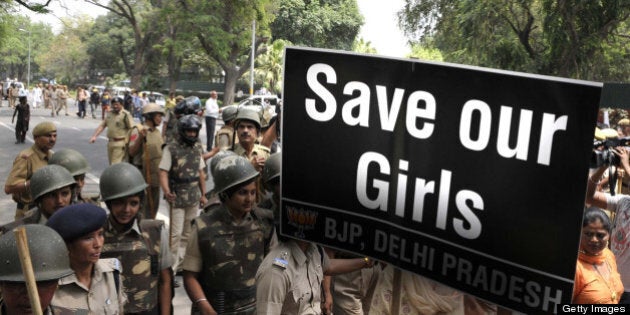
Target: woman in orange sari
597 280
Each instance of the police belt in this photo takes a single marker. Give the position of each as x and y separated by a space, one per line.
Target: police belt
179 181
221 297
117 139
21 205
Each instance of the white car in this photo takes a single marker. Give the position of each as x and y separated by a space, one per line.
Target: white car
19 85
157 96
119 91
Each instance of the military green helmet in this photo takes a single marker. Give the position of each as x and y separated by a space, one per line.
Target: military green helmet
48 251
152 108
217 158
121 180
232 171
248 114
72 160
50 178
272 167
229 113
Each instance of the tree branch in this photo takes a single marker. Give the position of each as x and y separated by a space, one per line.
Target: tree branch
40 8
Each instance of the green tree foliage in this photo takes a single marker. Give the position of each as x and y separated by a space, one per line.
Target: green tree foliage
363 46
268 69
318 23
425 52
224 30
110 45
14 46
70 61
571 38
141 16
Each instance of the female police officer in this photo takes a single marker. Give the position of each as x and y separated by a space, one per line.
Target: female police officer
227 245
141 245
95 286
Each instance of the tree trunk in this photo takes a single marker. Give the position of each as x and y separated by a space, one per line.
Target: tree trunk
231 77
138 69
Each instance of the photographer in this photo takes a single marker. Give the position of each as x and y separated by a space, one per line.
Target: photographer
620 204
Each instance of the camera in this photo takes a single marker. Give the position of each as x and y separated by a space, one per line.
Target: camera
603 153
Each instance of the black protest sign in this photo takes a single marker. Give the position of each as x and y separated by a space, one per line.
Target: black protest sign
469 176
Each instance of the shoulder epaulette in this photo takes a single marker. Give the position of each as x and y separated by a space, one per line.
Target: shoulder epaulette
111 264
280 263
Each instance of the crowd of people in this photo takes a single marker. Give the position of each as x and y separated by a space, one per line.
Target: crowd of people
108 254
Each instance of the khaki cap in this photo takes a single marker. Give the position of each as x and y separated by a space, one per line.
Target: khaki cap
44 128
624 122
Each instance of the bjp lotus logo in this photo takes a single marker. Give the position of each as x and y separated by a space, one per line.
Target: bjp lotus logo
301 219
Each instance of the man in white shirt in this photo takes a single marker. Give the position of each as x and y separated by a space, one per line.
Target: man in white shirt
211 113
37 95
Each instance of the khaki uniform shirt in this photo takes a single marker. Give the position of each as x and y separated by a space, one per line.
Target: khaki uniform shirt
153 143
25 164
259 151
72 297
61 94
118 125
289 280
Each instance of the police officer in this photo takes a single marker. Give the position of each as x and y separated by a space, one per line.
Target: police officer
49 258
53 188
118 123
27 162
62 99
289 280
140 244
212 196
95 286
78 166
248 129
228 244
225 136
145 148
186 106
271 180
183 181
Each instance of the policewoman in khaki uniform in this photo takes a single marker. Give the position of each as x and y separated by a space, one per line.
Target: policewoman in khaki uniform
145 147
26 163
140 244
118 123
95 287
